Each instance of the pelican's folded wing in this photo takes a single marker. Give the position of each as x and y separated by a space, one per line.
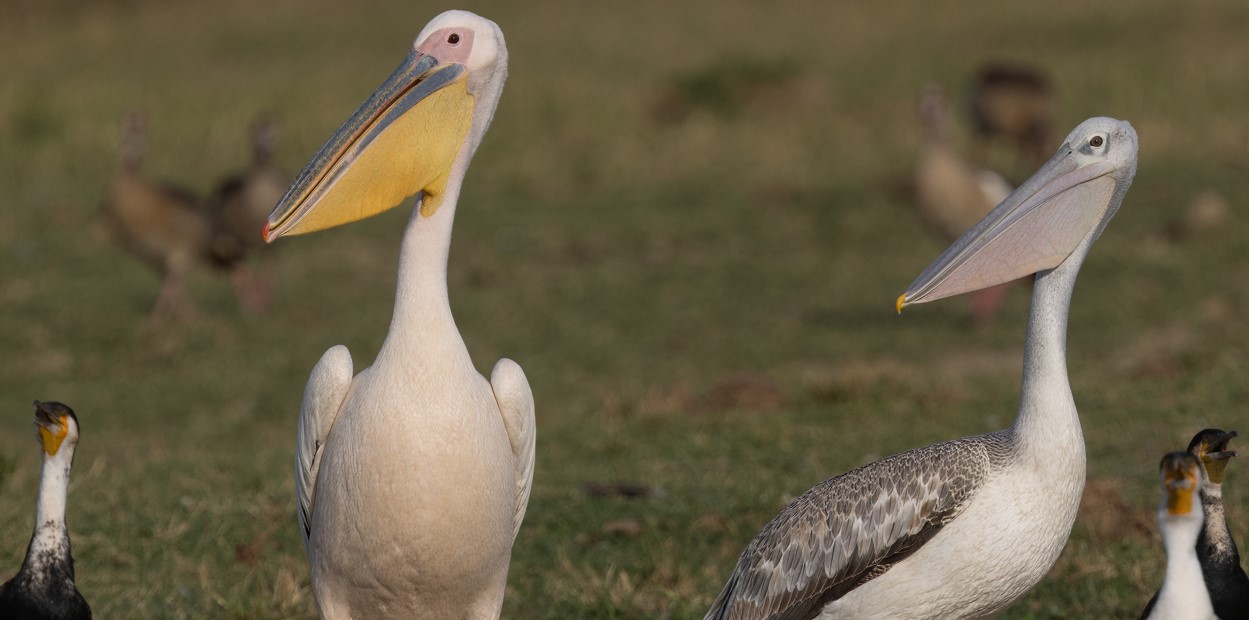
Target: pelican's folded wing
850 529
323 398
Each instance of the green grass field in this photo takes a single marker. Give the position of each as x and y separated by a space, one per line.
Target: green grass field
702 306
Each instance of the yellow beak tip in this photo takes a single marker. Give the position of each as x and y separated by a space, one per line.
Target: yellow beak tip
901 303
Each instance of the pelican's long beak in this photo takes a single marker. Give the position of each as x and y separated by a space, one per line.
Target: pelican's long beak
1035 228
401 142
52 428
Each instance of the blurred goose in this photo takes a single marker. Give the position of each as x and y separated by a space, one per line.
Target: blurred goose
240 206
164 225
412 478
1015 102
964 528
1216 549
1183 595
44 587
952 194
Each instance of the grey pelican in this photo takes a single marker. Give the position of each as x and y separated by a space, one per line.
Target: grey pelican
239 207
412 478
964 528
1183 595
1216 549
164 225
952 195
44 586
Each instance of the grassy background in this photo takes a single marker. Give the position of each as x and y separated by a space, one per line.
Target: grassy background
702 306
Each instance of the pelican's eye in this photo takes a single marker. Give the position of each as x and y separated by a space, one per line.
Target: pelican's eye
1096 141
454 39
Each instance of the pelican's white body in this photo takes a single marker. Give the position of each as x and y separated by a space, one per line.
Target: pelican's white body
415 487
1019 531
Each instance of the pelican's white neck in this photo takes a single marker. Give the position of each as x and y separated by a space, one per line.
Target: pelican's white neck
422 323
422 327
1048 425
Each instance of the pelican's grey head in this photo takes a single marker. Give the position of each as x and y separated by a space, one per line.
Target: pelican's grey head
1061 209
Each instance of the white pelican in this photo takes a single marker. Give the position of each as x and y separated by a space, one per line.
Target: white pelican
44 587
952 195
413 477
1183 595
964 528
1216 549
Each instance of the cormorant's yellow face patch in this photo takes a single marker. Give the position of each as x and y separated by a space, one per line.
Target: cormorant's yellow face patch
1214 453
52 439
1214 467
1181 486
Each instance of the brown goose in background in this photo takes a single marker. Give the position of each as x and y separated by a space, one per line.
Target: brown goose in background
1014 102
240 206
165 226
951 194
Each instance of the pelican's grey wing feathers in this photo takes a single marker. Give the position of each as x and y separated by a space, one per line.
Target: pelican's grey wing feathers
851 528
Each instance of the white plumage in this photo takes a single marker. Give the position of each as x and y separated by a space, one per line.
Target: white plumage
413 476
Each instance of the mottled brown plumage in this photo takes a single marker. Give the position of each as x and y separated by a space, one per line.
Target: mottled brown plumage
163 225
1016 103
239 208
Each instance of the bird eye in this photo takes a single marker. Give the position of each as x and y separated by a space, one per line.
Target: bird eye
1096 141
453 39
